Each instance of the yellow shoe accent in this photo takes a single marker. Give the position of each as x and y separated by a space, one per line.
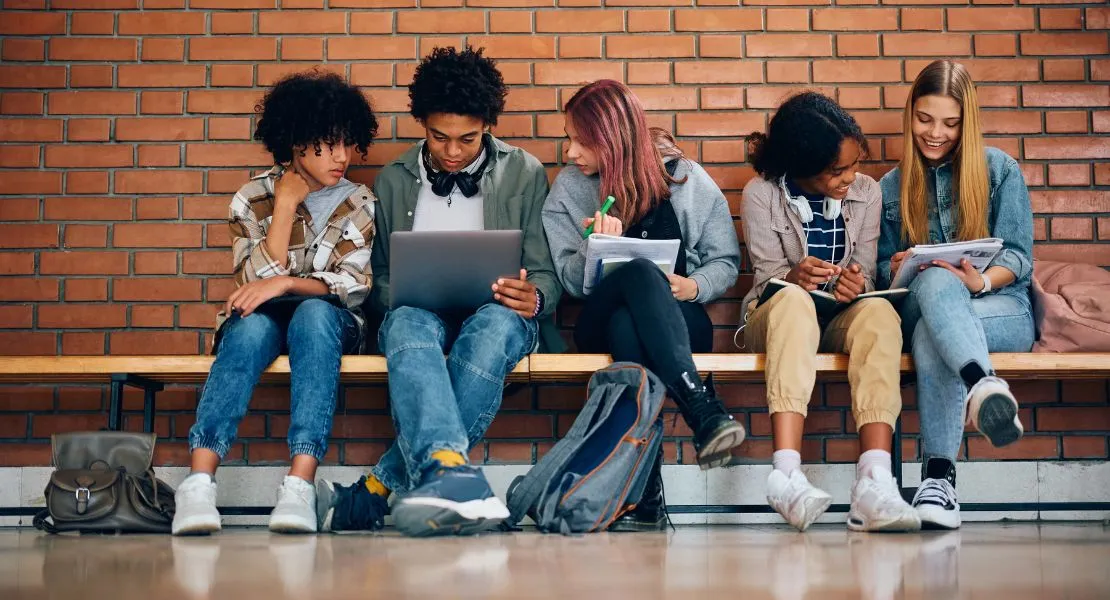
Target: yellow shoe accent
448 458
375 486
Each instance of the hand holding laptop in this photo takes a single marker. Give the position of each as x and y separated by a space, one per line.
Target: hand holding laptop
517 294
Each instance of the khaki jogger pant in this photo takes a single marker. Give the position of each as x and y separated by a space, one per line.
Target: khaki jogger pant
869 331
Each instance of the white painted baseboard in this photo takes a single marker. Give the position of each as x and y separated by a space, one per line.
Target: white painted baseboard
979 482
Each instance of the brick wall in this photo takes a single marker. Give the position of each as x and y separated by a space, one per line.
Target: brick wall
125 125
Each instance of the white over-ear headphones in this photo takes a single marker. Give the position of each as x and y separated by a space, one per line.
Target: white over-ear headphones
800 204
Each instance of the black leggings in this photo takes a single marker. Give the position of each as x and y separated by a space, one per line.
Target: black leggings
633 316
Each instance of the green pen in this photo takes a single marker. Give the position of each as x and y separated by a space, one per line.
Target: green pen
604 209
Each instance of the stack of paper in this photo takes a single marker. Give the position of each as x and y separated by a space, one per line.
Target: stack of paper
605 252
979 253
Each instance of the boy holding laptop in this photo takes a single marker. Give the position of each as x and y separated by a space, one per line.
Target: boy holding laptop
459 178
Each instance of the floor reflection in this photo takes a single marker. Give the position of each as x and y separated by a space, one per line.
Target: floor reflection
979 561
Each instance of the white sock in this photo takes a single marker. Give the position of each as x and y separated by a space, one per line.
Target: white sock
208 476
871 459
787 461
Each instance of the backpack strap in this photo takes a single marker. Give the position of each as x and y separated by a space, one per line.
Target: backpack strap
531 487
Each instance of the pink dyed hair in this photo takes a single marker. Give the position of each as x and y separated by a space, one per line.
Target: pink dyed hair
610 121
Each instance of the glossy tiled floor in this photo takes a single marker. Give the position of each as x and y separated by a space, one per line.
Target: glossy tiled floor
981 561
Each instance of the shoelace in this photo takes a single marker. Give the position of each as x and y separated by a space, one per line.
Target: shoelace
703 407
300 492
935 491
889 495
362 510
193 493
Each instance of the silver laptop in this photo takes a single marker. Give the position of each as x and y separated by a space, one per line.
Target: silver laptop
450 270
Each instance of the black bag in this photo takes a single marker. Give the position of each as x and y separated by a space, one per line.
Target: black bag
104 482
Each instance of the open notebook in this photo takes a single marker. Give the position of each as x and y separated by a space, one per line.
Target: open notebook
826 303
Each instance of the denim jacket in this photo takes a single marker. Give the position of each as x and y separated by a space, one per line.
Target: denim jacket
1009 217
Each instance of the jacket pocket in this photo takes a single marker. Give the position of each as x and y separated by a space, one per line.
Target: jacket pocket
787 234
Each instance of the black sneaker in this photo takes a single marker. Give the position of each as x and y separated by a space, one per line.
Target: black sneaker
348 508
935 499
716 433
449 501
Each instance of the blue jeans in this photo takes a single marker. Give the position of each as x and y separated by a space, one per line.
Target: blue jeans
445 403
316 336
950 329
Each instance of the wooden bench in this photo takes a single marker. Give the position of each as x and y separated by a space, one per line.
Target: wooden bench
151 373
749 367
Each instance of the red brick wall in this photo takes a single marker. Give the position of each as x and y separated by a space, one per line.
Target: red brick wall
123 132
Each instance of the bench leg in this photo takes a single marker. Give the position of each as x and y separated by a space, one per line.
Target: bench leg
115 403
896 451
149 394
115 408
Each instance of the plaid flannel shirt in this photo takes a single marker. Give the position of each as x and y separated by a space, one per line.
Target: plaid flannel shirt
339 255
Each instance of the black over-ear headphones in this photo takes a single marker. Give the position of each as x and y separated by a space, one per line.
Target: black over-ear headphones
443 182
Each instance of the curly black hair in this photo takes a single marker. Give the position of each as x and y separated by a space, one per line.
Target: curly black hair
803 138
458 83
313 108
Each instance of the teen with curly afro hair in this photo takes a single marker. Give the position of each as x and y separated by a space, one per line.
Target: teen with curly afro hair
309 109
301 235
811 224
459 177
460 83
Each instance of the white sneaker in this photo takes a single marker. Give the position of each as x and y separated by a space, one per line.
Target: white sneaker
195 506
877 505
295 511
795 498
993 410
935 502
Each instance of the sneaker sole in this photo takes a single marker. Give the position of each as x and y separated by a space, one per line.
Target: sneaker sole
627 527
292 524
906 523
717 451
937 518
427 517
997 420
198 525
325 508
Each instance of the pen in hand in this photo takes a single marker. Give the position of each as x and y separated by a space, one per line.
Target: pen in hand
604 209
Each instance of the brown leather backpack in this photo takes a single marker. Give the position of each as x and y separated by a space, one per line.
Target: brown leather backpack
104 482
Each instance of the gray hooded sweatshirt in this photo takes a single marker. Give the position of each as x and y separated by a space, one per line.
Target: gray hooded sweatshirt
710 245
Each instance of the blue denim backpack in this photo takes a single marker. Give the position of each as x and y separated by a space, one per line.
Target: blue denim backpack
599 470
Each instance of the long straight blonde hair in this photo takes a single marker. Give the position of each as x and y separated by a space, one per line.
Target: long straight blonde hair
969 159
